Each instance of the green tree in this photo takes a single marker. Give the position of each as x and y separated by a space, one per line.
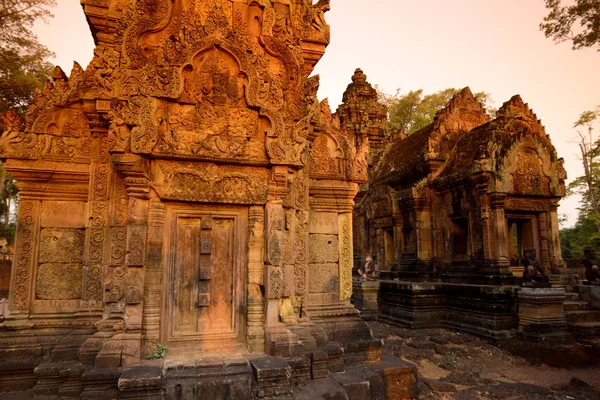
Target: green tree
578 23
23 69
586 231
23 65
588 184
407 113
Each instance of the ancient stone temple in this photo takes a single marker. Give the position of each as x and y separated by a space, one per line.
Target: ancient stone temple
456 205
186 189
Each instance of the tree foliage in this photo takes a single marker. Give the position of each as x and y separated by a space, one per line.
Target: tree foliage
23 69
586 231
23 65
578 23
407 113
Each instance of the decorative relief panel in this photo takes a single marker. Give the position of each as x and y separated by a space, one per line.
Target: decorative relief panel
59 281
210 183
323 248
323 278
61 245
529 177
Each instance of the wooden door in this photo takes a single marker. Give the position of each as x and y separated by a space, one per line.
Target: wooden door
204 289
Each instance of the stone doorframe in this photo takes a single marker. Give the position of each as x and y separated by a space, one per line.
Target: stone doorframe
156 267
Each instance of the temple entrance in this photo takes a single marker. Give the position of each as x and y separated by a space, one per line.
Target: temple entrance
522 233
204 285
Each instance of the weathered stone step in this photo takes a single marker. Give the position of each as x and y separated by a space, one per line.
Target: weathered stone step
582 316
572 296
585 329
594 343
389 378
574 305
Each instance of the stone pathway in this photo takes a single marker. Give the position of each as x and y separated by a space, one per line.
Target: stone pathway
464 367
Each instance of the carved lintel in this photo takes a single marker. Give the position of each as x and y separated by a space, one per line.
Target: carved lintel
49 180
332 196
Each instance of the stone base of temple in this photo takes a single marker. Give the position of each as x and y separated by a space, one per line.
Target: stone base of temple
542 315
488 311
251 376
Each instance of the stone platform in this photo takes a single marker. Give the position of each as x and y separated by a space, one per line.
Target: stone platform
317 375
483 310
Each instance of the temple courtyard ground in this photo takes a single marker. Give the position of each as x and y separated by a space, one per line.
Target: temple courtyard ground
461 366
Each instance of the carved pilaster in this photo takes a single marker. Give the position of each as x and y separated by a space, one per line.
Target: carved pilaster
555 251
256 316
543 228
25 257
153 273
346 257
500 244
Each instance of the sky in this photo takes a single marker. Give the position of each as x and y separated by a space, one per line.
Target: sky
491 46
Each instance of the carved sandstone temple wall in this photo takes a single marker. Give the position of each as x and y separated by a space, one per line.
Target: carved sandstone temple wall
460 199
187 188
450 210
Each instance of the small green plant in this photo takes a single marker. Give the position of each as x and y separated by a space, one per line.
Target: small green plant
451 359
161 352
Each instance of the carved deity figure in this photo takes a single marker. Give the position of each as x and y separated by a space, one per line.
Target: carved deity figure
369 269
592 269
533 271
318 15
13 125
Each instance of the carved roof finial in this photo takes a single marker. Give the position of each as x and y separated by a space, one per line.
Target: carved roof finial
58 74
463 112
516 108
359 76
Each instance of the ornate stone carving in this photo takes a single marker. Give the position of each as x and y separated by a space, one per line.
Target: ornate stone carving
61 245
59 281
23 269
323 248
324 278
136 247
210 183
346 258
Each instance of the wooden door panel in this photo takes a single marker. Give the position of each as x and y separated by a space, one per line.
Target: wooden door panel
204 285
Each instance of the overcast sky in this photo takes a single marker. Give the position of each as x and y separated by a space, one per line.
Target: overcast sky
489 45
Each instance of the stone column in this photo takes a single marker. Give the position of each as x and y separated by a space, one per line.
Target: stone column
256 244
499 251
543 228
556 260
153 274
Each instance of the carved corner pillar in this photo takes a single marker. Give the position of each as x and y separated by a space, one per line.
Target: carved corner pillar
330 242
423 230
274 254
135 173
25 259
556 259
256 270
544 245
153 274
499 251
